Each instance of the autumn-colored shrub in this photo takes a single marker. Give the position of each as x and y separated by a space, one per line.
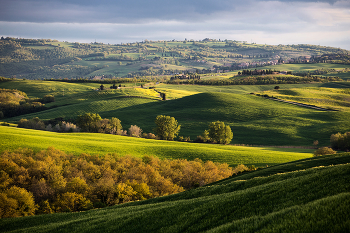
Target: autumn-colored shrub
53 181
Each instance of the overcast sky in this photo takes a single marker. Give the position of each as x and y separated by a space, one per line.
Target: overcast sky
322 22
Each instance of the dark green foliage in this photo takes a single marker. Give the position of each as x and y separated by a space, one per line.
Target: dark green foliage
48 99
88 122
341 141
16 103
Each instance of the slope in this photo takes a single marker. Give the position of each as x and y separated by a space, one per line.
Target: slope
254 120
93 143
296 196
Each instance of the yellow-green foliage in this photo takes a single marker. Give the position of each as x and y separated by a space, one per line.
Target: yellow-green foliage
292 197
61 182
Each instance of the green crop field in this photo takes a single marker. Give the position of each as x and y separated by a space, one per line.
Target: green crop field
331 98
254 120
77 143
307 67
310 195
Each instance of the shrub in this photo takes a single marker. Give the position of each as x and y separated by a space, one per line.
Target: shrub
34 123
135 131
324 151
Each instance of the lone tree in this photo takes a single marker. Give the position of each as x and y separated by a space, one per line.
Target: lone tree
220 133
167 127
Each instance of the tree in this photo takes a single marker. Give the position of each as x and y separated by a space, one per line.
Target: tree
220 133
167 127
16 202
87 122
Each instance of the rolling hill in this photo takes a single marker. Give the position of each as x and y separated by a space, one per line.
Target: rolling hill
254 120
101 144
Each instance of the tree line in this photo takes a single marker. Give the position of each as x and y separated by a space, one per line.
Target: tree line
167 128
257 80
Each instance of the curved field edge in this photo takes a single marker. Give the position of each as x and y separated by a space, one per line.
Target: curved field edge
77 143
300 201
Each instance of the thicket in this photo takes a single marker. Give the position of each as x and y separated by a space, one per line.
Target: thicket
341 141
53 181
15 103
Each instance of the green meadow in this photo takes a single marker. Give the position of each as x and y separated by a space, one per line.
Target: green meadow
306 67
101 144
309 195
254 120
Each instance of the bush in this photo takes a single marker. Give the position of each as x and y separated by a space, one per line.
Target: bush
34 123
135 131
324 151
149 136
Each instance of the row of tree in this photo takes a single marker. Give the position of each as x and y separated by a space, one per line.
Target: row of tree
257 80
167 128
52 181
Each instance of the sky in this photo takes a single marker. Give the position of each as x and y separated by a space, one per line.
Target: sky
322 22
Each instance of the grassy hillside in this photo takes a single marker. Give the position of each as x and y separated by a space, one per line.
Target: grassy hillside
254 120
77 143
310 195
331 98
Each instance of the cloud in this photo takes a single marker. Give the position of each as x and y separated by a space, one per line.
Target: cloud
131 11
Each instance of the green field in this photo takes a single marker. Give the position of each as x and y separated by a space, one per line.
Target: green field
306 67
254 120
77 143
310 195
